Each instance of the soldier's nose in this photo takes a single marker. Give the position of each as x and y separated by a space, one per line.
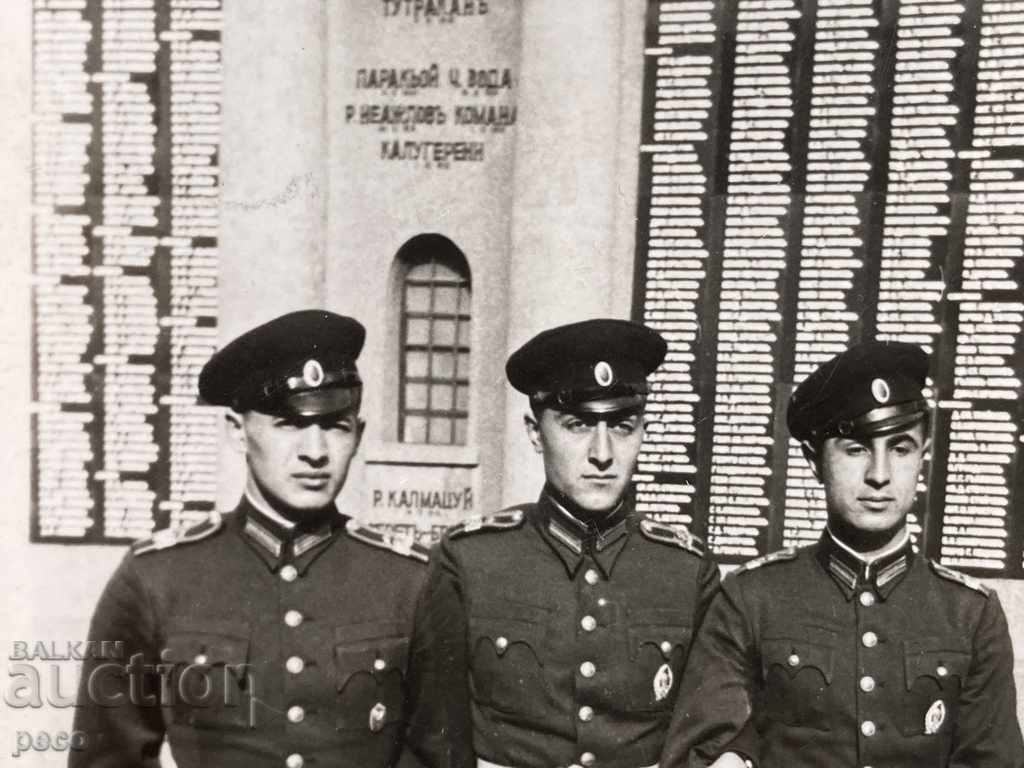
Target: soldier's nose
878 470
313 447
601 446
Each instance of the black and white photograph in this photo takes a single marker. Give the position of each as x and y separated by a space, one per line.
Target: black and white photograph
512 383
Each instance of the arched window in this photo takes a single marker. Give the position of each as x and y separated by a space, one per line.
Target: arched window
434 337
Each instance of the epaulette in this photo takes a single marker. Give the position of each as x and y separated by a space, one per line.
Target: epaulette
500 521
402 545
677 536
961 578
172 537
778 556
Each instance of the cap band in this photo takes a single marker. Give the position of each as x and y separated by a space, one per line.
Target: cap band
879 420
336 379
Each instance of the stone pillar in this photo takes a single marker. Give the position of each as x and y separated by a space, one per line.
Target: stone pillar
567 230
274 146
274 191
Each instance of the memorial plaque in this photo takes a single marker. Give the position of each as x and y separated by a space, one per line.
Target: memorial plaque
813 173
126 110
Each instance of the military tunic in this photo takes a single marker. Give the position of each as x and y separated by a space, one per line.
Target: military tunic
537 647
260 651
900 663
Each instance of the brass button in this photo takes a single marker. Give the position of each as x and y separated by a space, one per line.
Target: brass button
666 647
201 659
289 573
501 644
867 683
589 623
294 760
586 714
592 576
588 759
294 665
601 601
867 598
870 639
868 728
296 714
941 670
793 660
293 618
380 665
587 669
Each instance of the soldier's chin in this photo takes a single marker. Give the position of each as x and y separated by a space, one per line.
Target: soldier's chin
596 502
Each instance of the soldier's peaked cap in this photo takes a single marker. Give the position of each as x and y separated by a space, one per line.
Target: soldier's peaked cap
872 388
597 365
302 363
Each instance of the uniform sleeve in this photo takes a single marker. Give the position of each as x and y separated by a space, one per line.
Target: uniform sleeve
715 698
708 583
440 731
118 709
987 732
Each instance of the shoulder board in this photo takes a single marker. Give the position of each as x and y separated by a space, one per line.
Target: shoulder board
675 535
172 537
778 556
402 545
510 518
961 578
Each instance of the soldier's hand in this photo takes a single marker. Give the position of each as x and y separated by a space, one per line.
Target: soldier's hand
730 760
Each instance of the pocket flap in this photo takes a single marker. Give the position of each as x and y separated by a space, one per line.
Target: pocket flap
665 637
378 657
206 648
939 658
504 633
793 655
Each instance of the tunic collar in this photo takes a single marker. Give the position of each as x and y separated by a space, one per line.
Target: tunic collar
277 545
573 540
854 573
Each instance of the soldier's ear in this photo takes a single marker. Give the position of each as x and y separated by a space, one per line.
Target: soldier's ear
813 458
533 431
236 429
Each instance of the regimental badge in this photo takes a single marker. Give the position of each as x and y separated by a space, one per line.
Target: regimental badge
377 714
880 389
663 680
603 374
312 373
934 717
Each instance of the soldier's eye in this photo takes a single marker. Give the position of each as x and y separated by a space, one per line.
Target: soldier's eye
625 427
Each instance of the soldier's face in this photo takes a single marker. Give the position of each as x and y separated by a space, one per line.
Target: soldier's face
297 464
870 483
589 458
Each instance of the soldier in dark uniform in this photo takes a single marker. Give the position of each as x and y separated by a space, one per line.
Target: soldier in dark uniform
554 633
855 651
276 635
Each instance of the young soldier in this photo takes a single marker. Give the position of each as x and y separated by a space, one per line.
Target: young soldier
555 633
855 651
276 635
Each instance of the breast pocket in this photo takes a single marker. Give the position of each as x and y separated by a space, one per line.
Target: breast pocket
797 681
659 640
507 656
370 666
210 681
934 669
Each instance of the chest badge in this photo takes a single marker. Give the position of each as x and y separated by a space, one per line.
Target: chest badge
663 680
934 717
